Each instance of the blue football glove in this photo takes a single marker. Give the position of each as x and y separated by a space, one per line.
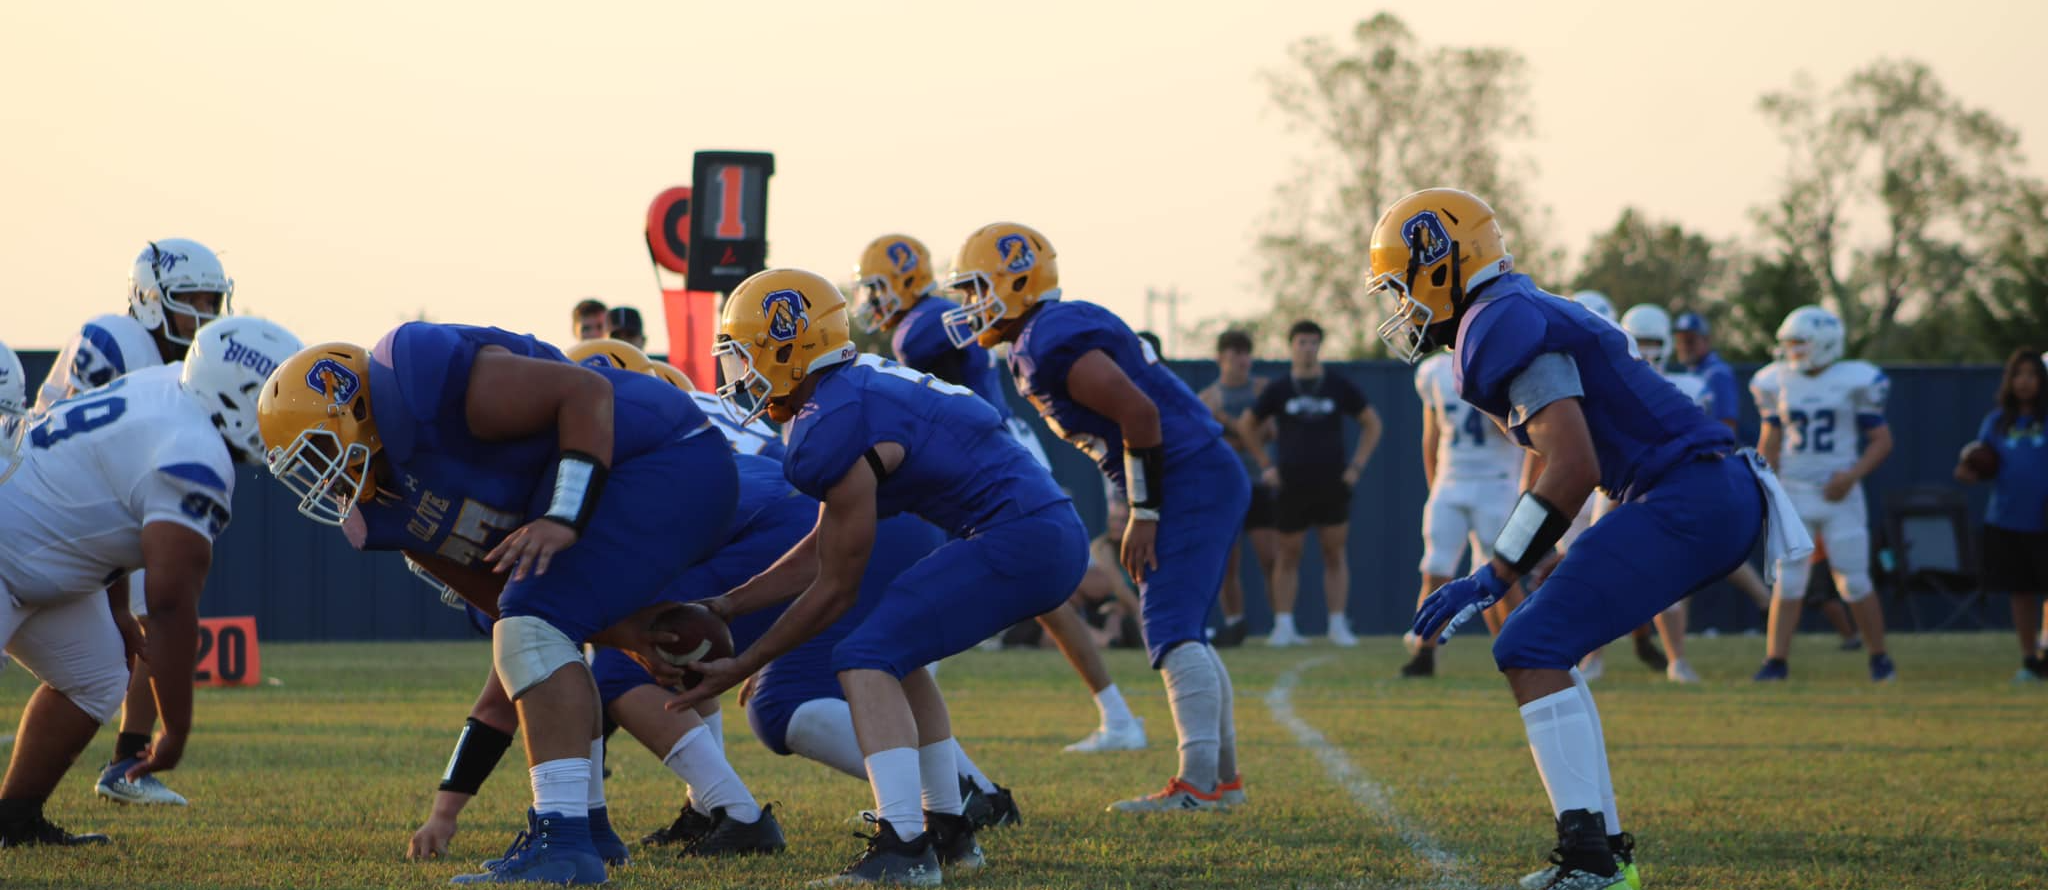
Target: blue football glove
1455 603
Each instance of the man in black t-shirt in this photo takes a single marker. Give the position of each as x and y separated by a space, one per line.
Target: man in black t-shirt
1312 475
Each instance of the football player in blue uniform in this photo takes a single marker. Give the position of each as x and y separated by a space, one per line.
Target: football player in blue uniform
899 296
1102 389
480 452
1564 384
871 439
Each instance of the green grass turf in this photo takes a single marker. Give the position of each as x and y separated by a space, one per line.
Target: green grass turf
1826 782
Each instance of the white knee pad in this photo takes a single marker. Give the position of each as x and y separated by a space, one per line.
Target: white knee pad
1444 530
527 650
1849 558
73 647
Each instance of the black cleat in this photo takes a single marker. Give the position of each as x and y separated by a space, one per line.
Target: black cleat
891 860
1422 666
39 832
988 810
689 826
1647 651
731 837
1233 633
953 841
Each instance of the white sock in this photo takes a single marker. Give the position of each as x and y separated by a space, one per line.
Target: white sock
1339 622
596 773
939 776
559 787
1194 690
969 771
1283 625
1607 806
1230 620
1567 752
696 759
894 775
821 730
716 723
1115 713
1226 749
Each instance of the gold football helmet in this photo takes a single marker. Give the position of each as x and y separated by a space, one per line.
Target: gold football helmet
778 327
1002 271
610 354
673 375
1429 251
895 272
318 435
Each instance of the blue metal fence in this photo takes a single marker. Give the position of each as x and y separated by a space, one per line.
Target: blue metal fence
303 582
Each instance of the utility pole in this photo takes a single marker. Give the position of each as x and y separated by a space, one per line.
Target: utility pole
1171 296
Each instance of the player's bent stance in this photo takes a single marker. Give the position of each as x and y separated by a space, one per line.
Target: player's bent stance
479 451
1562 381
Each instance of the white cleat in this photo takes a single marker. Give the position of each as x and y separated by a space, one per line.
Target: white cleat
1130 737
1681 672
1340 635
113 785
1177 797
1280 639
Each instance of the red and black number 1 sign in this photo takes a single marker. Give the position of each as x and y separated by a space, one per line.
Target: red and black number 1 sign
728 217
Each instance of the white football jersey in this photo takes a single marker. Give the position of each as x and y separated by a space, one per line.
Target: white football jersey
1821 414
106 348
96 469
1470 447
748 439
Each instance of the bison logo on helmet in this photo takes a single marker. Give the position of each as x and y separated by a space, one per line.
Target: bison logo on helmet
1426 237
163 261
785 312
1016 253
333 379
904 258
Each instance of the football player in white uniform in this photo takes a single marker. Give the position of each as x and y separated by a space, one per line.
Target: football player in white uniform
1814 408
1474 474
13 410
135 474
1650 326
175 286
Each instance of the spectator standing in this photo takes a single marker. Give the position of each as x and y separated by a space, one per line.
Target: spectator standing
587 320
1234 393
2016 522
623 324
1311 478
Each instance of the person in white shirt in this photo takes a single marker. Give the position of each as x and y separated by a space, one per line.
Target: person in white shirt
137 474
175 285
1815 407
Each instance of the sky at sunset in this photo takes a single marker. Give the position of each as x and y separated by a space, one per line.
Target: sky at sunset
358 163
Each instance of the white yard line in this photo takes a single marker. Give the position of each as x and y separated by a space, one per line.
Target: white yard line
1368 794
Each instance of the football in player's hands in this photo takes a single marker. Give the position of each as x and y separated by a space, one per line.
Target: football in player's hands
699 636
1982 459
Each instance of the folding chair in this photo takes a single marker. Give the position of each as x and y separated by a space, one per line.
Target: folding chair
1927 528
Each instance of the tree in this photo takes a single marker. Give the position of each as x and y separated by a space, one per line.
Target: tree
1389 115
1640 260
2012 311
1767 290
1889 144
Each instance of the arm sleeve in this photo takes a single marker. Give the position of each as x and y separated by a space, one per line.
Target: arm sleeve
193 495
830 445
1987 432
1352 399
1870 400
1271 398
1723 399
1551 377
92 359
1764 389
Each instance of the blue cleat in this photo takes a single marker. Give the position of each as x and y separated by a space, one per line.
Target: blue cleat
610 847
1881 668
519 841
1774 669
557 851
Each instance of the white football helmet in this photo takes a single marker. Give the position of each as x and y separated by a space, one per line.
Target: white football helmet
13 407
1810 339
1650 325
165 271
226 368
1597 302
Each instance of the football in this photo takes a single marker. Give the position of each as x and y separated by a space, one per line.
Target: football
700 636
1981 459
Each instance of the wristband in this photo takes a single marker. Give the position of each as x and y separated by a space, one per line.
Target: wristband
1144 477
477 752
1531 532
579 479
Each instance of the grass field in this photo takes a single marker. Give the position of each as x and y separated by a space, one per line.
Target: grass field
1939 780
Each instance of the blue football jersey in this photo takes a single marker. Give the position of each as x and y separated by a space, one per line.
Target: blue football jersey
449 509
920 342
1641 424
962 470
1058 334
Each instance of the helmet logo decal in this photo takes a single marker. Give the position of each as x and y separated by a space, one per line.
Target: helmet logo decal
331 378
1426 238
1016 253
248 357
903 257
597 361
785 312
163 261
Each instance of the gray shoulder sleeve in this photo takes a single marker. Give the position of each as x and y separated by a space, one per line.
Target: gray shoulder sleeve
1552 377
